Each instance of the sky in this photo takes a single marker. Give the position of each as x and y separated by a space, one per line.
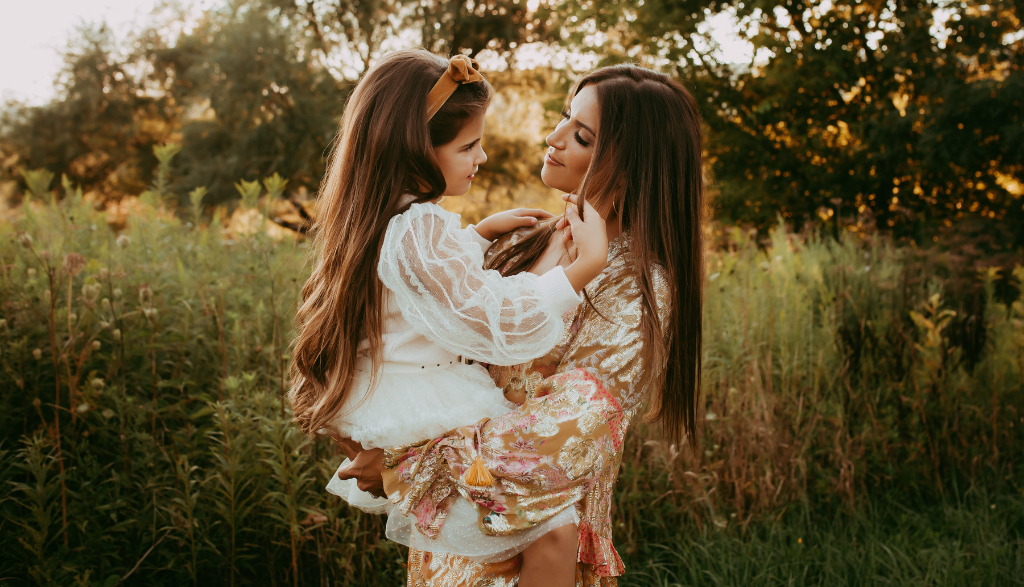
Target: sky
33 33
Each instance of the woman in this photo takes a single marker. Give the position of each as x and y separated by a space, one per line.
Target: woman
630 145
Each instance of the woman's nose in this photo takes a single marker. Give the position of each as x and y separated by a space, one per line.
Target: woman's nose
555 139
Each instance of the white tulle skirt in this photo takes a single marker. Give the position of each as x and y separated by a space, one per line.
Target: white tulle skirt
409 404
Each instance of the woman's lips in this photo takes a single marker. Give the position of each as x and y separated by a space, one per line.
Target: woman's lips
549 160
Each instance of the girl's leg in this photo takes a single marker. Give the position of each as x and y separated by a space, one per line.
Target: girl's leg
551 560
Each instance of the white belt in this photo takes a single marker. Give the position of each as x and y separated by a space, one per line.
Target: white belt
363 363
458 359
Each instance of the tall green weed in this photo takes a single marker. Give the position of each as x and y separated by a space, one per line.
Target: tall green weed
144 440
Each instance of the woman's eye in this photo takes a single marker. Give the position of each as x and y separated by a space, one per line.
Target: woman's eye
580 140
565 114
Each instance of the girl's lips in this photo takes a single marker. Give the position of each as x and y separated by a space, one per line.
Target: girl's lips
470 177
549 160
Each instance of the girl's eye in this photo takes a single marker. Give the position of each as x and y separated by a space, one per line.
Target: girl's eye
579 139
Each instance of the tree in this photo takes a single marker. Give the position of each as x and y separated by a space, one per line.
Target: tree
101 129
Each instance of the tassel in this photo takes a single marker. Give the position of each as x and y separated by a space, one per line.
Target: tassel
478 475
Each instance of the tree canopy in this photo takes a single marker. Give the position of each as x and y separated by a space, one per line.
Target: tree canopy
903 115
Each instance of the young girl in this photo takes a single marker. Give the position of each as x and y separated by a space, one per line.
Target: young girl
398 307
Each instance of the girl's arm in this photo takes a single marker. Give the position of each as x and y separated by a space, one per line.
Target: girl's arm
434 268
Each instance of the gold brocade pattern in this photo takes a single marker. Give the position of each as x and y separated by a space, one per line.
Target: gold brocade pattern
561 448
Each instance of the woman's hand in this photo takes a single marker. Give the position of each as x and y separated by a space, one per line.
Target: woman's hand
498 224
590 236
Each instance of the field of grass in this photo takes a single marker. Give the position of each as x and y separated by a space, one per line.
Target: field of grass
969 540
848 438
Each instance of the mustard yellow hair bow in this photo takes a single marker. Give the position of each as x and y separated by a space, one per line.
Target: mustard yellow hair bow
461 70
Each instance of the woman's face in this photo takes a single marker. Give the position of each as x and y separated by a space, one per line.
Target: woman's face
460 158
571 145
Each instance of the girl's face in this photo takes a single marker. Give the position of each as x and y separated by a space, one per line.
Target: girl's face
571 145
460 158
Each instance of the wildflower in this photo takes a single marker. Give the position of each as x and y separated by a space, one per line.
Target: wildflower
107 413
97 383
31 272
145 295
82 408
116 334
710 416
72 318
105 302
73 264
713 276
37 353
117 293
123 241
25 240
36 403
96 345
3 322
104 324
90 291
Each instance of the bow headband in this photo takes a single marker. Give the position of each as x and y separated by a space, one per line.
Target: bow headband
461 69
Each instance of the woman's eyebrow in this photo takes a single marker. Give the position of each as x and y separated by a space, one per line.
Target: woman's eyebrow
590 130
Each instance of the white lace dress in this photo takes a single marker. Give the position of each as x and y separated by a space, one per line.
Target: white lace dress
441 308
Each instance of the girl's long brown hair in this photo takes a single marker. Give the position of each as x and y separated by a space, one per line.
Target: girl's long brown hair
384 149
647 172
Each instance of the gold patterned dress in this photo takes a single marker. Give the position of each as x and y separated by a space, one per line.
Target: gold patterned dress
562 448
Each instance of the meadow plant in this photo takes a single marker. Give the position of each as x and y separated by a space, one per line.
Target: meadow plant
144 440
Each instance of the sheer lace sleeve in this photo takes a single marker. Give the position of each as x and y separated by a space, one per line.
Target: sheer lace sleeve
435 269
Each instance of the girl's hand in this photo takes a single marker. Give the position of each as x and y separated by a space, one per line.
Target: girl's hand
590 236
366 468
498 224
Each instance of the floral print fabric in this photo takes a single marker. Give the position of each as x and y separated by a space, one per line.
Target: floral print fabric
562 448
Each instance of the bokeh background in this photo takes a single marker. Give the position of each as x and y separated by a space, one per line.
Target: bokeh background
864 364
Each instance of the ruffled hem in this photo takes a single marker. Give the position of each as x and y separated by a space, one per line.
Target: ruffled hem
599 551
461 535
411 403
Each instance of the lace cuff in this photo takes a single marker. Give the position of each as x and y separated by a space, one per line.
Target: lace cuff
558 292
475 237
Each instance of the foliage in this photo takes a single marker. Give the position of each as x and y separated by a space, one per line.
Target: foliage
101 132
145 440
903 116
144 437
969 540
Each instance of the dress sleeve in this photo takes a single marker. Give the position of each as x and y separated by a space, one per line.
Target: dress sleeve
435 269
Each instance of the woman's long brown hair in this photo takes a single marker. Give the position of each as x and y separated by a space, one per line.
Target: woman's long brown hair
384 150
647 172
